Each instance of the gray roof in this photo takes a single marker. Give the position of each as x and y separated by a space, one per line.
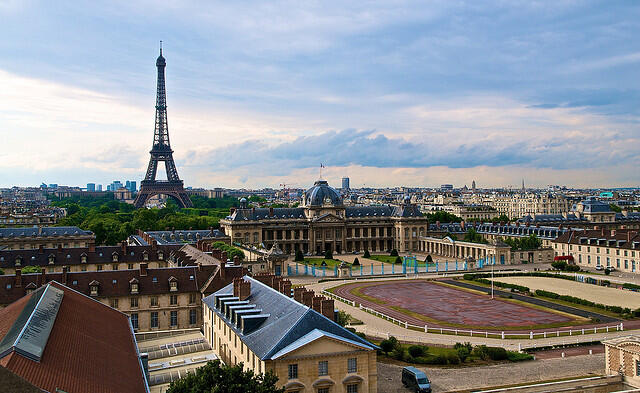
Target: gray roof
43 232
287 321
368 211
591 205
406 210
182 236
264 214
555 218
321 194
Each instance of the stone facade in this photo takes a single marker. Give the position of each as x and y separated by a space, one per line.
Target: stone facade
324 223
622 356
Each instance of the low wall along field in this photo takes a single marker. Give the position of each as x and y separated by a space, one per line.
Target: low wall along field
594 293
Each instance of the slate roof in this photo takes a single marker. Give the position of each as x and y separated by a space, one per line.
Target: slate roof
368 211
116 283
555 218
623 238
73 256
43 232
591 205
182 236
406 210
90 348
263 214
320 194
288 321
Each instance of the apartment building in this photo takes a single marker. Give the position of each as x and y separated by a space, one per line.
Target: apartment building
619 248
518 205
48 237
155 299
265 329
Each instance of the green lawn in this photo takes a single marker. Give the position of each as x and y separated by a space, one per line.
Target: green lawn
331 263
390 259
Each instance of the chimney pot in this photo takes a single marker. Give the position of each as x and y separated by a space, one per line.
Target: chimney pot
18 282
65 274
327 308
143 268
316 303
41 249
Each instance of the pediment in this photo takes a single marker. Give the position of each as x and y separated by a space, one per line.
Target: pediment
324 345
328 217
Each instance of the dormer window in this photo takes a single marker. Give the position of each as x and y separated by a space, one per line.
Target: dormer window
145 256
83 258
114 257
52 259
93 288
161 255
133 284
173 284
18 261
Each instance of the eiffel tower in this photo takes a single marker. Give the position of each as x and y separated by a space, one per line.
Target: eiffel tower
161 151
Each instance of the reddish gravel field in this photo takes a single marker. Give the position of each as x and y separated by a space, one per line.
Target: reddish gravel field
446 304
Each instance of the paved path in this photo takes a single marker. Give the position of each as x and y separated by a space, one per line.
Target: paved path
452 379
536 301
378 327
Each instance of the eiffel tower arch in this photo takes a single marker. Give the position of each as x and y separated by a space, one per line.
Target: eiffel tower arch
161 152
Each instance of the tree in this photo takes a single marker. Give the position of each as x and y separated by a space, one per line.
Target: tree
398 260
393 253
215 377
474 237
388 345
366 254
429 259
463 353
343 318
31 269
442 216
356 262
299 256
328 254
500 218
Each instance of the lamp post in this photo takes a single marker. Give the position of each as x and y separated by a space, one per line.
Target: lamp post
492 278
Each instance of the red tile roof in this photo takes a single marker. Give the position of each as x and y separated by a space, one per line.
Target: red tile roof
91 348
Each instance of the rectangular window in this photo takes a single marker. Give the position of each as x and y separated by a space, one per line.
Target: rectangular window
323 390
154 319
134 302
154 301
352 365
192 298
134 320
99 267
352 388
618 263
114 303
293 371
130 266
323 368
174 318
193 317
114 266
637 368
173 300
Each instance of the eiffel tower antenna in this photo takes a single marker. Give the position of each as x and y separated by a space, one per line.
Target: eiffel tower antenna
161 151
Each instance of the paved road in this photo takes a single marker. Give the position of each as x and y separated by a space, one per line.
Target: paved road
536 301
452 379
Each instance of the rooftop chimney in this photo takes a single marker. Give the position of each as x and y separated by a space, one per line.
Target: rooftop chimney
241 288
317 303
60 247
327 308
19 277
297 294
65 274
285 288
143 268
307 298
613 233
123 245
270 211
232 210
92 247
41 249
236 260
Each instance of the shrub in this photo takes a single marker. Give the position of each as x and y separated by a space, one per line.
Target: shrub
463 353
573 268
299 256
481 352
387 346
429 259
559 265
416 350
439 359
394 253
328 254
398 260
356 262
607 272
398 353
497 353
518 357
452 358
366 254
31 269
324 263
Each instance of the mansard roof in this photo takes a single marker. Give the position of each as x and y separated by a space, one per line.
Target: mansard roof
288 324
43 232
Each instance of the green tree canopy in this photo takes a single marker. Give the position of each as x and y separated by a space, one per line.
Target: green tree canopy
215 377
442 216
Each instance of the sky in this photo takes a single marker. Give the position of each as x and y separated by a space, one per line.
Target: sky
388 93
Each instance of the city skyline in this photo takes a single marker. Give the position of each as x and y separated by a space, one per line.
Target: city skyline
259 95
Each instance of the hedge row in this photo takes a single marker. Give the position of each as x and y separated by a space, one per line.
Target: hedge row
585 302
499 284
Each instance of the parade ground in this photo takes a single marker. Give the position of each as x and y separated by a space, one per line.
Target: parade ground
427 302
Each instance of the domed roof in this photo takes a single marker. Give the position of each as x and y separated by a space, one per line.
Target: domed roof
321 194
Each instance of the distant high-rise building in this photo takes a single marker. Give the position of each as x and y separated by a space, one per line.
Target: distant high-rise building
446 187
473 186
53 185
345 183
100 187
131 185
91 187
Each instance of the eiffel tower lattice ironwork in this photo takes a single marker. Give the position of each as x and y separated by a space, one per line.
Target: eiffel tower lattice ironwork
161 151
